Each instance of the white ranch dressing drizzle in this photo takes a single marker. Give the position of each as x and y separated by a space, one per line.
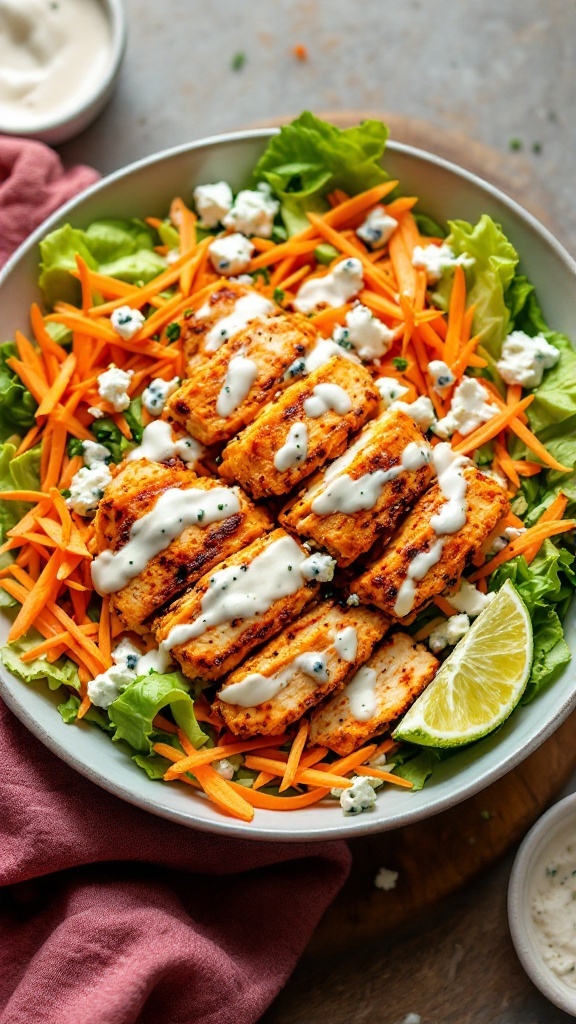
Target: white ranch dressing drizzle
346 643
349 496
174 511
158 445
334 289
361 694
325 397
52 55
553 904
449 520
294 449
256 689
240 376
240 592
247 308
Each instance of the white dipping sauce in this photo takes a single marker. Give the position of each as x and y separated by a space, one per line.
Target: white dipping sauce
53 54
158 445
553 905
240 376
325 397
247 308
294 450
361 694
174 511
244 591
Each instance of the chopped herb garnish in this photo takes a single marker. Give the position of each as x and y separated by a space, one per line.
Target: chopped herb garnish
262 272
400 363
173 331
515 144
278 295
537 147
188 313
238 61
200 515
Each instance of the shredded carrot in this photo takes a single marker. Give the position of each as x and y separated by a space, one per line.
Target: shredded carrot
444 606
307 776
532 538
486 431
455 315
378 773
223 794
555 511
295 756
210 754
371 272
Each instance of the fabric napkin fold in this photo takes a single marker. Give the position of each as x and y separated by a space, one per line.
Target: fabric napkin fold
33 183
109 915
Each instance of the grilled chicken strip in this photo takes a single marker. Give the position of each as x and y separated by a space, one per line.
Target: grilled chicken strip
132 495
382 583
225 393
376 695
294 672
245 600
228 309
286 443
361 496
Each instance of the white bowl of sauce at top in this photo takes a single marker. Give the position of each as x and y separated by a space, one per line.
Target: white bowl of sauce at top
542 904
59 60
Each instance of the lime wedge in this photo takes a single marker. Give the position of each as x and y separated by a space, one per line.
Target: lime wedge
480 682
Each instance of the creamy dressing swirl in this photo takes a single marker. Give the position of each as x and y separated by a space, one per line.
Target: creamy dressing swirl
294 449
174 511
247 308
449 520
158 445
348 496
325 397
244 591
361 694
256 688
240 376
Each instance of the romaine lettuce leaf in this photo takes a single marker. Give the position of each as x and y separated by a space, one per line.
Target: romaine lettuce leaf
416 764
488 280
22 473
120 248
546 586
57 673
310 158
17 406
135 709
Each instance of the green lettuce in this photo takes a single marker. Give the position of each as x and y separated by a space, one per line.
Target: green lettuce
17 406
135 709
56 673
546 586
310 158
22 473
106 432
488 280
119 248
69 713
133 416
416 764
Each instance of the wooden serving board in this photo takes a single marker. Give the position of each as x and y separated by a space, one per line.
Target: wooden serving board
436 857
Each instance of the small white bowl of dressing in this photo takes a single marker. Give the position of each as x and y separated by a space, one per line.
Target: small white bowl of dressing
59 61
542 904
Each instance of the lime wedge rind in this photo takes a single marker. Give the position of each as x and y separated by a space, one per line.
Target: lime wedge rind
481 681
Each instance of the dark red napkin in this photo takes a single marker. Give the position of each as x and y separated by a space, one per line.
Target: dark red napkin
33 183
109 915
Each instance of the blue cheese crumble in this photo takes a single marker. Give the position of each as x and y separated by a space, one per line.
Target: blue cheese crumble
113 385
230 254
212 203
524 359
155 396
253 212
127 321
367 335
377 229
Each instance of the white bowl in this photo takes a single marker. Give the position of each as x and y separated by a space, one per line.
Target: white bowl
59 129
446 191
559 823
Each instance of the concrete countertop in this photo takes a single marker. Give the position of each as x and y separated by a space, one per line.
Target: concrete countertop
501 73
